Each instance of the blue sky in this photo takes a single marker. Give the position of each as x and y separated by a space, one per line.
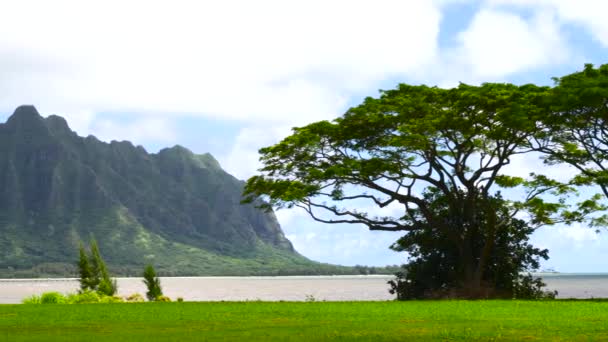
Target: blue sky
230 77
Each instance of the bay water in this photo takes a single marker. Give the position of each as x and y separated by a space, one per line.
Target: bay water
330 288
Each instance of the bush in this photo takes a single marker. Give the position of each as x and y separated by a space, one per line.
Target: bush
489 267
111 299
135 298
52 298
180 299
528 287
31 300
85 297
163 299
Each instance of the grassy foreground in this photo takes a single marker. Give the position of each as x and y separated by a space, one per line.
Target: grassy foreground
263 321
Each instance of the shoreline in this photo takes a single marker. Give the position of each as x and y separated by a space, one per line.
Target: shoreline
340 276
215 277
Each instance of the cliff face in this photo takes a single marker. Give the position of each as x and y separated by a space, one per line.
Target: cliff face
176 209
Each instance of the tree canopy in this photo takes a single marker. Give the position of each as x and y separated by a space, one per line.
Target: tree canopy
578 125
413 141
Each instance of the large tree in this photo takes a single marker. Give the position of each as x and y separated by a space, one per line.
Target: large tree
391 150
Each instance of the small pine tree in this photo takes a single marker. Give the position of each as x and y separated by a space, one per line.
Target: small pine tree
105 284
153 284
84 269
96 265
94 274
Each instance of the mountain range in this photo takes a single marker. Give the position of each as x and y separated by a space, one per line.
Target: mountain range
175 209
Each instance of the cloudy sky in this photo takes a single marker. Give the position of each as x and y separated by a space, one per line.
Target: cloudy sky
229 77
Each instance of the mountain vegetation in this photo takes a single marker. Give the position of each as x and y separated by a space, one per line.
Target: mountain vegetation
175 209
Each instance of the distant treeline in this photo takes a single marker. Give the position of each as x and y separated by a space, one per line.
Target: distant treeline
65 270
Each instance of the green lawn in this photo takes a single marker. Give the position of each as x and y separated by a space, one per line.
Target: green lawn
246 321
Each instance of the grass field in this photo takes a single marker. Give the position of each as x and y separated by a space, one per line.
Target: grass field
263 321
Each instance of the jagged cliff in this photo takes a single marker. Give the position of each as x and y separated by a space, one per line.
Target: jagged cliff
175 209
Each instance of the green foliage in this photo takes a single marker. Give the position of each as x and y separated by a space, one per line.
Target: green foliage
94 273
152 282
134 298
97 266
107 286
529 287
52 298
84 269
84 297
162 299
33 299
577 127
438 268
111 299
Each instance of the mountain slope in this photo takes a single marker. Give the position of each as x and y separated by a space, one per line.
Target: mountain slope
175 209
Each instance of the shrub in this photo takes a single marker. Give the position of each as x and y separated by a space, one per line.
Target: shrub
111 299
52 298
85 297
134 298
489 268
180 299
34 299
528 287
163 299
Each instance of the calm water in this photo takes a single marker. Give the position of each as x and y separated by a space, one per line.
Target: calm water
333 288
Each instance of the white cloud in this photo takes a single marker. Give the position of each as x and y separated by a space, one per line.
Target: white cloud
80 121
590 14
340 244
579 235
499 43
142 129
523 164
242 161
574 248
264 60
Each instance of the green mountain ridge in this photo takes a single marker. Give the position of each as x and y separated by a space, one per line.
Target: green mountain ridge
175 209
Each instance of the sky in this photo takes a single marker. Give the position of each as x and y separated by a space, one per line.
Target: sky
229 77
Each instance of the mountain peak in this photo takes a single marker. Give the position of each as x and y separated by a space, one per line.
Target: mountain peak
58 124
26 110
25 113
27 118
205 161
